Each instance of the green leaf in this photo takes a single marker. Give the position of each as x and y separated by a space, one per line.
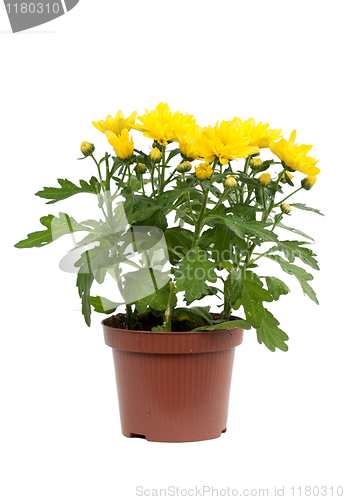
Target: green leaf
293 249
168 198
276 287
56 227
234 286
179 241
302 206
196 314
242 228
142 283
143 214
173 153
194 270
301 274
228 325
220 237
103 305
84 282
253 294
297 231
68 189
269 333
157 300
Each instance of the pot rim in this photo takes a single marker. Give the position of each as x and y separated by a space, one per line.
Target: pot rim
174 333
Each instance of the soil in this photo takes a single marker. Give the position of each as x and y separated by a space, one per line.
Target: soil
146 321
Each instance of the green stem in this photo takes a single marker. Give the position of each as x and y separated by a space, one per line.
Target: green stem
200 220
129 317
188 199
169 309
281 201
245 171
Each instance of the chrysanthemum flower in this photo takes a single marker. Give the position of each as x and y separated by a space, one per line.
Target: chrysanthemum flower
294 156
308 182
260 135
116 124
225 141
265 179
123 146
164 126
203 171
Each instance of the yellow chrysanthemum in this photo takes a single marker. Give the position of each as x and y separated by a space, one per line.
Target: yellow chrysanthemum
294 156
230 182
225 141
123 146
256 163
203 171
116 124
186 147
87 148
260 135
308 182
265 179
164 126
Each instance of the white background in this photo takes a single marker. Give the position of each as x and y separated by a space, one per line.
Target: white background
281 62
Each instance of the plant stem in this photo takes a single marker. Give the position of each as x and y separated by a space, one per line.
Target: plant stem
281 201
169 309
200 220
129 317
188 199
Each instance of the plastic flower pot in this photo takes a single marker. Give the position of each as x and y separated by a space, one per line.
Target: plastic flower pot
173 387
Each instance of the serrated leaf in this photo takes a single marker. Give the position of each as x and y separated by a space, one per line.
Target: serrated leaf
276 287
84 282
296 231
220 237
243 228
179 241
194 269
269 333
143 214
234 286
301 274
157 300
302 206
103 305
293 249
252 296
168 198
56 227
227 325
68 189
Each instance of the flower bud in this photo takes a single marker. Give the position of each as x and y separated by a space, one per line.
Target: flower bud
203 171
256 163
285 208
308 182
140 169
155 155
184 167
87 148
230 182
287 174
265 179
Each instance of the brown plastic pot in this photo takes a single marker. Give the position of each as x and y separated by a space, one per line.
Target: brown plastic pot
173 387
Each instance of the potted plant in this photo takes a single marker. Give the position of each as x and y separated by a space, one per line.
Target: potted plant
171 235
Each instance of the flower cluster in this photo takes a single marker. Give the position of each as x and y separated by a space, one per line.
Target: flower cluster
225 141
